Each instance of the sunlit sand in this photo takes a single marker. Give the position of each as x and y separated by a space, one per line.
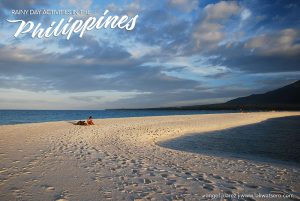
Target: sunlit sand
119 159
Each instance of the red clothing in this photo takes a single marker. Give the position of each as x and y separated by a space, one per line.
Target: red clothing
90 122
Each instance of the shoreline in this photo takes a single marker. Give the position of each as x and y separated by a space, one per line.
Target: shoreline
153 116
118 159
104 118
155 113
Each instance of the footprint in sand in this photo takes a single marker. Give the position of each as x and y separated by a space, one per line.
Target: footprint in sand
50 188
171 182
277 192
249 199
108 195
147 181
208 181
217 177
164 175
47 187
3 170
208 187
252 186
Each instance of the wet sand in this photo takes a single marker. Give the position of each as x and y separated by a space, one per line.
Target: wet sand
119 159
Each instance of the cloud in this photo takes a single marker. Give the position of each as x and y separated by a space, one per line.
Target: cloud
273 52
210 29
245 14
60 79
207 35
102 67
131 9
25 4
221 10
7 5
284 42
100 51
79 4
179 35
161 27
184 5
196 96
181 52
24 99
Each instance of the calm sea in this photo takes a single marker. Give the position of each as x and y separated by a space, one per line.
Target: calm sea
33 116
276 140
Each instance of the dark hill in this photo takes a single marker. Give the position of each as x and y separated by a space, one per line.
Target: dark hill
287 95
285 98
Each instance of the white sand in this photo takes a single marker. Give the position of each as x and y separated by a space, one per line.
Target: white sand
117 159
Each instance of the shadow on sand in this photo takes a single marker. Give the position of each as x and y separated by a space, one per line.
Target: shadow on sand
274 140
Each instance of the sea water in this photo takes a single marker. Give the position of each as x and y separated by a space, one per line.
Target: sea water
34 116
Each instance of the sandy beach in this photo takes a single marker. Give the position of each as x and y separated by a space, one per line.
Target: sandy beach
119 159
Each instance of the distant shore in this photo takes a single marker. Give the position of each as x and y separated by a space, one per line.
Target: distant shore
118 159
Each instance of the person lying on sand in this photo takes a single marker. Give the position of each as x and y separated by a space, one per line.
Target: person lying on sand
90 121
81 123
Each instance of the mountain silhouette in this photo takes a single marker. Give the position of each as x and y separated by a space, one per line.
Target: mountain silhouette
284 98
287 95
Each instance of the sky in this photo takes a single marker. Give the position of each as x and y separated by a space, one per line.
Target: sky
181 52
